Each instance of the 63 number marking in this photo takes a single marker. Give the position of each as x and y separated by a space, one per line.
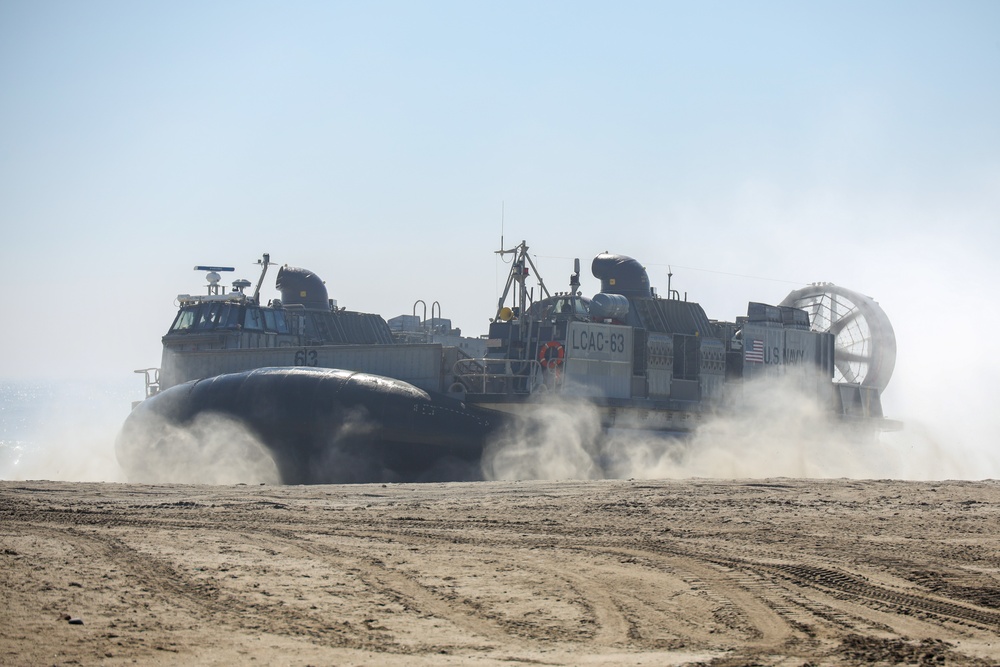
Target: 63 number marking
306 358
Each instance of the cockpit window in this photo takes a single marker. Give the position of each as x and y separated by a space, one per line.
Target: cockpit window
268 319
184 319
206 316
252 320
280 325
560 306
229 318
207 313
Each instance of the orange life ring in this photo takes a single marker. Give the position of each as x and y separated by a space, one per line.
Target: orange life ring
553 360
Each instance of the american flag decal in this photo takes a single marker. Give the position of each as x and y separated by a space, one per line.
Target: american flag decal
755 352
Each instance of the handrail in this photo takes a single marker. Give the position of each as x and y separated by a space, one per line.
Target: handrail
152 376
498 376
424 320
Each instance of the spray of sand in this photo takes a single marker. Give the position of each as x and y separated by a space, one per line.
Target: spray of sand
558 439
211 449
771 428
61 431
774 433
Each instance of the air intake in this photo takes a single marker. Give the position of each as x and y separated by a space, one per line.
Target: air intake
621 275
301 287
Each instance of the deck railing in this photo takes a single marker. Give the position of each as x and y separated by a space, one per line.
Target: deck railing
502 376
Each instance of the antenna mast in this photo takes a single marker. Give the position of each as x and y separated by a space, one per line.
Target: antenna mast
501 224
519 272
264 263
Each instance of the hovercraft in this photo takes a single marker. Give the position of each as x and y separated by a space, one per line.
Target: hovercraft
329 395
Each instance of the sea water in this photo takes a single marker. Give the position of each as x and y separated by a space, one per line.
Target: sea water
63 430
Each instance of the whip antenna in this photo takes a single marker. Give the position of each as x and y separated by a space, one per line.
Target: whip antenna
501 225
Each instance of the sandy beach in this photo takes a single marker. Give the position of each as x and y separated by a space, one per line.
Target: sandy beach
695 572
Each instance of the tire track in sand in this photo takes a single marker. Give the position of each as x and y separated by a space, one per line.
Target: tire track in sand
176 589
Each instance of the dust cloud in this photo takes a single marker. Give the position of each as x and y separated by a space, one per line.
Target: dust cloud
211 449
60 453
767 428
559 439
66 431
61 431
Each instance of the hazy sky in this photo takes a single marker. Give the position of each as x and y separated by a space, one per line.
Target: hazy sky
753 147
